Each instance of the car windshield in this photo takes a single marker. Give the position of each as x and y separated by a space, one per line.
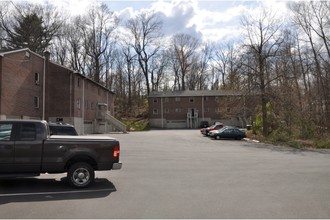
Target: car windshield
213 126
224 128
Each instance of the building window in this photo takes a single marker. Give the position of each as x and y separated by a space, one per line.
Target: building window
155 100
206 109
167 110
177 99
206 98
36 102
78 103
216 98
217 110
78 82
155 111
177 110
37 78
191 99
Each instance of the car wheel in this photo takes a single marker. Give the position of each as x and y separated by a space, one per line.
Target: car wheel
217 137
81 175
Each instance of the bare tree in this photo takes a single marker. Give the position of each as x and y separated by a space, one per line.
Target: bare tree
313 19
73 33
145 30
158 67
184 56
227 64
130 59
97 38
264 40
203 66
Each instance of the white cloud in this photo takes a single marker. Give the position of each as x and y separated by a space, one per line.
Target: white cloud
175 15
74 7
125 14
217 25
206 19
186 16
177 18
226 34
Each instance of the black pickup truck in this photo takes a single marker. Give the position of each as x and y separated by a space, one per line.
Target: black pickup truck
27 149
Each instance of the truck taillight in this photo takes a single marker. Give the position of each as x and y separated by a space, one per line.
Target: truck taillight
116 151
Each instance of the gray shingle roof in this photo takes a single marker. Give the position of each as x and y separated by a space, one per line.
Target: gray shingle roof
192 93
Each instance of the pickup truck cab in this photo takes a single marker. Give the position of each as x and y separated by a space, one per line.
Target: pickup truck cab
27 149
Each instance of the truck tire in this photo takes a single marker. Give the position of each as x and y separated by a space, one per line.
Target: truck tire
81 175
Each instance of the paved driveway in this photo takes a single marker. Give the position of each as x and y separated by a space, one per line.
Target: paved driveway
181 174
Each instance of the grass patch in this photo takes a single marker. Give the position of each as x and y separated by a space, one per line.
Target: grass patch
137 124
323 143
281 138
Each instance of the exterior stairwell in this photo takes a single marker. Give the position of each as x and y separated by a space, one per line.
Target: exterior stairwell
115 122
105 116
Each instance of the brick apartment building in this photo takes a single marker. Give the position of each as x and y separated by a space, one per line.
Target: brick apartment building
186 109
33 87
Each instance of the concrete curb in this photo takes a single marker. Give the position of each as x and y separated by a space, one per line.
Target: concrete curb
248 139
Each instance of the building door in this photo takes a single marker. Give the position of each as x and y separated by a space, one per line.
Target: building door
192 118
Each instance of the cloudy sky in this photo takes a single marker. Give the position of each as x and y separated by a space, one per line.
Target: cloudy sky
209 20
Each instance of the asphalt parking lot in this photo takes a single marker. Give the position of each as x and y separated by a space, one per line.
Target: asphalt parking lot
181 174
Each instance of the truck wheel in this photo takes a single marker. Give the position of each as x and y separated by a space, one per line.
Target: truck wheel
81 175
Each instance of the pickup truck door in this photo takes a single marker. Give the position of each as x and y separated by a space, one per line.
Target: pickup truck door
28 148
6 147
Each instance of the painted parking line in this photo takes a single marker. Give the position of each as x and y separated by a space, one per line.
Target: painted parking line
54 193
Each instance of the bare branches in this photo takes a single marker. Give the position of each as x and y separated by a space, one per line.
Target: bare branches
184 54
145 30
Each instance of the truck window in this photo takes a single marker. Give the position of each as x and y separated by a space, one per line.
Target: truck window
5 131
28 132
62 129
66 131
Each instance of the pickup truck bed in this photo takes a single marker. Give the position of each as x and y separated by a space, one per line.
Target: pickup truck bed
60 149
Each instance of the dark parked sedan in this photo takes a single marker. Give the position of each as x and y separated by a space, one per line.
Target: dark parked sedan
228 132
204 124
